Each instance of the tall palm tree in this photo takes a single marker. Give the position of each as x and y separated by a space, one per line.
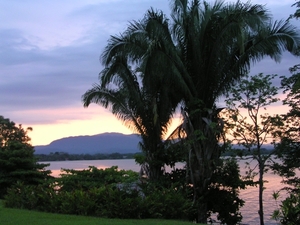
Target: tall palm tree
217 44
140 107
194 59
153 100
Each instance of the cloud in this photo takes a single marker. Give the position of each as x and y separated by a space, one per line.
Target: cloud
49 55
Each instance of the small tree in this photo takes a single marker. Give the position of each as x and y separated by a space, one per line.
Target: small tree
17 160
252 95
223 196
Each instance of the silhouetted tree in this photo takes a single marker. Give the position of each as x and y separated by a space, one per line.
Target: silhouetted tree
193 60
254 127
17 160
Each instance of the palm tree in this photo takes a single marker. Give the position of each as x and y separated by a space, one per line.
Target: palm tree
140 107
193 60
217 44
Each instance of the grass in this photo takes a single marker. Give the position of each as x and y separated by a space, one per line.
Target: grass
24 217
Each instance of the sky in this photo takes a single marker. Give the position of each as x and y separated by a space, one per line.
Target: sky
49 57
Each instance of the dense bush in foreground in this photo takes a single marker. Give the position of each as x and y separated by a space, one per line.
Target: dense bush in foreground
104 193
114 193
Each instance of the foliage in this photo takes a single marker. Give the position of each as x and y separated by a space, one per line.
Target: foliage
71 180
296 76
118 194
253 128
297 12
246 124
288 213
39 197
288 152
105 201
94 192
103 193
169 197
168 203
144 108
157 64
17 160
223 196
288 148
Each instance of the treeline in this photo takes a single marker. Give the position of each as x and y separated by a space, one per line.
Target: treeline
64 156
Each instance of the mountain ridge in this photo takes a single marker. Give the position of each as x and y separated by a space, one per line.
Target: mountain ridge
105 143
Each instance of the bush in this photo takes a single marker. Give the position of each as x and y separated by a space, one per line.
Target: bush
94 177
168 204
40 197
170 198
76 193
111 193
289 211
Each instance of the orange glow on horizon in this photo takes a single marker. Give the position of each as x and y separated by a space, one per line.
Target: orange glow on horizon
45 133
91 121
73 121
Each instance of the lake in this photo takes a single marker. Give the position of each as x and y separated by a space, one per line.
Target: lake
250 195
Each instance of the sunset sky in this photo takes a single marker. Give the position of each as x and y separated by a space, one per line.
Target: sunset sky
49 57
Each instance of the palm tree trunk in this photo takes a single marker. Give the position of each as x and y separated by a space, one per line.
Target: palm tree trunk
204 154
204 151
200 190
155 172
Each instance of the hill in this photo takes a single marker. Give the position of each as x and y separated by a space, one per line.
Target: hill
105 143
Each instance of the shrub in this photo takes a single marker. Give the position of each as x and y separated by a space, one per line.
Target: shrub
94 177
105 199
38 197
289 211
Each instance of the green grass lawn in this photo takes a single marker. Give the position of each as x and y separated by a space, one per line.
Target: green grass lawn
25 217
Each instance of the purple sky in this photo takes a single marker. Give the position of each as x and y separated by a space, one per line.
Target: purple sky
49 57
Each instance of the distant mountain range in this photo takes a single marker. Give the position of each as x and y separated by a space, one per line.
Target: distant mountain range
105 143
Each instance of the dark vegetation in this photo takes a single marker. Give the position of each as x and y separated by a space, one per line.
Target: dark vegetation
288 151
104 193
186 62
152 69
114 193
17 161
254 95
